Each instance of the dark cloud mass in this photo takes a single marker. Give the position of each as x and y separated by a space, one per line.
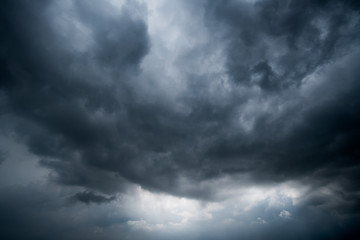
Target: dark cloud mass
90 197
220 95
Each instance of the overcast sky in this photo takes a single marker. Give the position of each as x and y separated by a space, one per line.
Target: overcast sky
167 119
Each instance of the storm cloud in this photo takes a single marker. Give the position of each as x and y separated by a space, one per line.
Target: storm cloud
245 112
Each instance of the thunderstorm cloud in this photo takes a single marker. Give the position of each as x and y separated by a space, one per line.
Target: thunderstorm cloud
226 119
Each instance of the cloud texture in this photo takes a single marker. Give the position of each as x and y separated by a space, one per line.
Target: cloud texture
191 101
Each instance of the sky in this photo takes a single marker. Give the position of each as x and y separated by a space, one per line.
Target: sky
166 119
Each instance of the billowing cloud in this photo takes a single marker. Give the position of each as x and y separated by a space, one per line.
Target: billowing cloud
197 104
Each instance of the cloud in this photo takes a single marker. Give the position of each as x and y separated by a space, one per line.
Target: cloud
87 111
91 197
284 214
221 94
43 211
2 157
66 114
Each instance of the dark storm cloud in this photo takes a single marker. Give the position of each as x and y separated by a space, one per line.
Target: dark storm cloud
91 197
84 112
79 110
57 106
78 102
276 45
283 41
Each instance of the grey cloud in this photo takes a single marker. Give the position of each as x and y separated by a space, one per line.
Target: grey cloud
56 103
2 156
75 122
285 110
275 46
120 41
43 212
288 40
91 197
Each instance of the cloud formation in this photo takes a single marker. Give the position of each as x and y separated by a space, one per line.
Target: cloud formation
190 99
91 197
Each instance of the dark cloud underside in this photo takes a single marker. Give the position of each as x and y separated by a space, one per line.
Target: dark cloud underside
72 90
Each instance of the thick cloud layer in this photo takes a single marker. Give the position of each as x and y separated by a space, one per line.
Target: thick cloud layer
176 97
